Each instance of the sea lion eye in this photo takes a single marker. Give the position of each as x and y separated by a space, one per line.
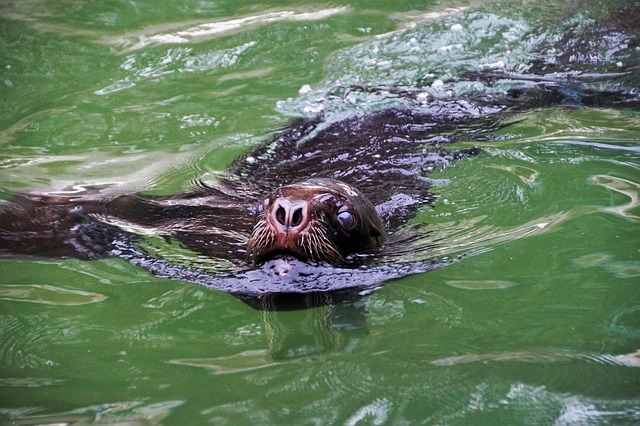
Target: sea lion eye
347 220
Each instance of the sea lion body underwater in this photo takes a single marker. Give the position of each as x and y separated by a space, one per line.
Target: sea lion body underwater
317 214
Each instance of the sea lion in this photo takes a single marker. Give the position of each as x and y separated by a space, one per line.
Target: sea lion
387 155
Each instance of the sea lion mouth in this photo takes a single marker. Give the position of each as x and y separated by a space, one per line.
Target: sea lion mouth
310 242
280 254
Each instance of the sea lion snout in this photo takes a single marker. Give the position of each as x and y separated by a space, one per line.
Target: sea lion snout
287 215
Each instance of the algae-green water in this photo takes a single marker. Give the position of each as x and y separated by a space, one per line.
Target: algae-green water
537 323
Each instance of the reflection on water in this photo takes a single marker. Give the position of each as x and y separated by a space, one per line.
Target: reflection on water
481 284
238 363
544 356
376 412
48 295
127 412
623 186
190 34
571 409
473 235
621 269
322 331
30 382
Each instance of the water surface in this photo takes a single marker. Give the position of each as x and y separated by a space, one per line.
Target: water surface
538 322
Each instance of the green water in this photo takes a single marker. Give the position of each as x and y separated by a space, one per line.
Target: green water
538 324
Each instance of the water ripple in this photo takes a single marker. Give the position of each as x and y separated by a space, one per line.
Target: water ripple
469 235
236 363
376 412
30 382
480 284
623 186
543 357
23 342
125 412
177 60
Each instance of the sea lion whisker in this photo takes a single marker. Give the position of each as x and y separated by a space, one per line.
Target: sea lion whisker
262 237
325 248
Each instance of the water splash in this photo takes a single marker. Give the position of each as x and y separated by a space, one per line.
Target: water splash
433 54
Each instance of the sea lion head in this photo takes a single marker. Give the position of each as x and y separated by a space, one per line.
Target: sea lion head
319 220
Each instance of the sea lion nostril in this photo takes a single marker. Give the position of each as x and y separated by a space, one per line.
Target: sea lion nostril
296 217
281 215
289 214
